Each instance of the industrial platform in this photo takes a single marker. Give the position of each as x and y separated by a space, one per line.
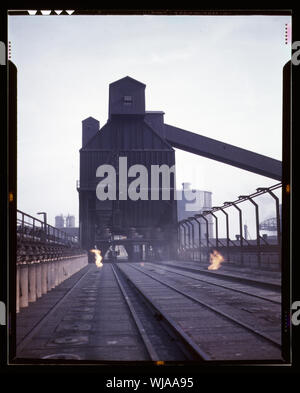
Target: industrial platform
155 312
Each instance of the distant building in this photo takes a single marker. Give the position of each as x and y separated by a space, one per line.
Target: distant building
59 221
205 204
70 221
67 224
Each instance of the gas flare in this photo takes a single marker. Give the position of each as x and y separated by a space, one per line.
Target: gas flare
98 257
215 260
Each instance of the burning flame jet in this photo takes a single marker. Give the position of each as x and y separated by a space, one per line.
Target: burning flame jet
215 260
98 257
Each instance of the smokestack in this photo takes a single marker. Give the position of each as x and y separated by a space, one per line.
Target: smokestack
59 221
90 127
70 221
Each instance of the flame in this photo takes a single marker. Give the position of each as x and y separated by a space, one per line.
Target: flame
98 257
215 260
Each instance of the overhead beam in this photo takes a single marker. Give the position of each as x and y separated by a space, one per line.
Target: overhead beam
223 152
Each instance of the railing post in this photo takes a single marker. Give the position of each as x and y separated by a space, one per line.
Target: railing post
277 217
199 231
32 282
49 283
56 272
227 227
44 268
33 229
22 226
227 233
18 288
179 237
24 285
193 236
31 275
241 232
184 236
53 272
207 232
256 221
38 278
47 229
258 242
217 233
241 224
257 230
189 235
278 224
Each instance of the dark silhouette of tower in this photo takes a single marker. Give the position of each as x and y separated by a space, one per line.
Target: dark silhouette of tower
131 132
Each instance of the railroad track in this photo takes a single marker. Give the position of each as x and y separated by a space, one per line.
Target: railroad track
227 277
65 332
217 284
152 321
122 312
158 291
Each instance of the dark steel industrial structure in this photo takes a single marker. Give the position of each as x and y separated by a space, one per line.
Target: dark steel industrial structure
141 226
146 228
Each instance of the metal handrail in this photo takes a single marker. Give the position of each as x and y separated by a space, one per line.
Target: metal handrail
32 228
261 244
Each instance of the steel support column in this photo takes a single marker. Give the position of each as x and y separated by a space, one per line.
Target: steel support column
207 232
227 226
257 230
186 222
184 235
277 213
188 232
193 235
277 223
241 224
256 221
241 232
217 232
199 229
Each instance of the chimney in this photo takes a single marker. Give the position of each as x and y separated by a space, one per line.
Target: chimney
90 127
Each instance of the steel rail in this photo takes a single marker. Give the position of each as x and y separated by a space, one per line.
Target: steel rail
186 340
146 340
220 276
220 285
214 309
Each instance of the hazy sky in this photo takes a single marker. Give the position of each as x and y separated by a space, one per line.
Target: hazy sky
219 76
